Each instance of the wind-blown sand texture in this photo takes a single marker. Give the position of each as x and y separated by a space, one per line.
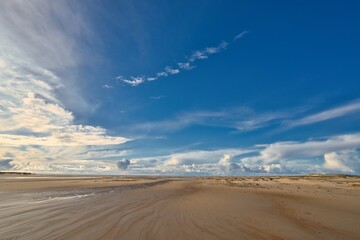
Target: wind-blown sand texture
68 207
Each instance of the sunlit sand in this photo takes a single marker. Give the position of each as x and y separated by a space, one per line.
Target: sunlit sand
103 207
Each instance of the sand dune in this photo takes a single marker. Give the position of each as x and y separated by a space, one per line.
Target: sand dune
204 208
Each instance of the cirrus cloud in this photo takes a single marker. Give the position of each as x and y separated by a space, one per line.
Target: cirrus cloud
180 66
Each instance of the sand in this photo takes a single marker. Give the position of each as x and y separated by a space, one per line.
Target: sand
68 207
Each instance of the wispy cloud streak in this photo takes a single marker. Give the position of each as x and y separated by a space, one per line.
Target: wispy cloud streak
185 65
240 119
132 81
325 115
240 35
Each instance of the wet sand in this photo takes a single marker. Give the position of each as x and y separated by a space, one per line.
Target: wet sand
73 207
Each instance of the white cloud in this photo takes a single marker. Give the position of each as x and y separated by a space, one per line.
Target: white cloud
107 86
301 155
65 166
205 162
32 35
256 121
191 162
37 131
34 121
197 157
161 74
240 35
225 160
241 119
133 81
347 161
271 168
290 150
185 66
35 29
169 70
34 126
336 154
62 159
198 55
326 115
229 167
204 54
333 162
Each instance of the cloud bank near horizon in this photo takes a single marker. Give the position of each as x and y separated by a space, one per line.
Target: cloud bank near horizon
336 154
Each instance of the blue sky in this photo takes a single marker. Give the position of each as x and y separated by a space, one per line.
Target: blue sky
180 87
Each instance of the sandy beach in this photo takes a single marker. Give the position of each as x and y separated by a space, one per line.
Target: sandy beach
103 207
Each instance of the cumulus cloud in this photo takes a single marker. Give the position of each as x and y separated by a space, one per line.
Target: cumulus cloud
296 155
37 131
34 121
180 66
123 164
289 150
273 169
347 161
198 162
225 160
228 166
336 154
197 157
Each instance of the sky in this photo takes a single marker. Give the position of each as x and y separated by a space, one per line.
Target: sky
180 87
